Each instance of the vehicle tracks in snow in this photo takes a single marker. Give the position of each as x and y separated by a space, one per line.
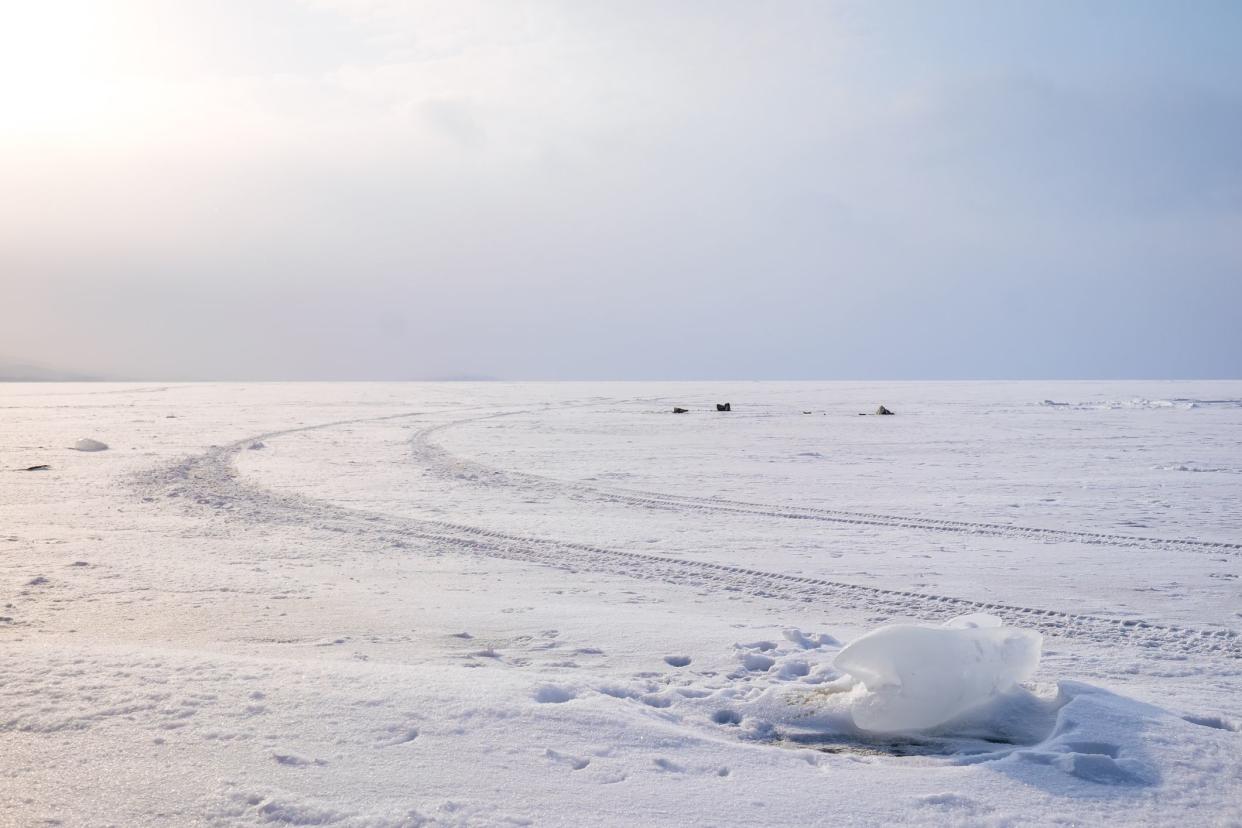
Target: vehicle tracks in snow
441 462
210 480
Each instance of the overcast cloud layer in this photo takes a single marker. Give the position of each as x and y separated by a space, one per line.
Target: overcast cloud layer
381 190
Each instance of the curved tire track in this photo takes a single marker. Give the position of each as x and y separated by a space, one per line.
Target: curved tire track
211 481
447 465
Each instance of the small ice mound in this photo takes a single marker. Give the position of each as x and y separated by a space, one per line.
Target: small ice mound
918 676
87 444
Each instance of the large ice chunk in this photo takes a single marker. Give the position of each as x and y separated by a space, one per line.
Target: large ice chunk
919 676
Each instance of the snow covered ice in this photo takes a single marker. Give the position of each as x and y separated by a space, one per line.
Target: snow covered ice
920 676
500 604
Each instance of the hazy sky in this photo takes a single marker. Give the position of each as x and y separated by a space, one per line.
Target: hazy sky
267 189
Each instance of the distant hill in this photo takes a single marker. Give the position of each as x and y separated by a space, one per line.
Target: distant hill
29 372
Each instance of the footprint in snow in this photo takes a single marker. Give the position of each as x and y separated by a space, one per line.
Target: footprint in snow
553 694
401 734
761 646
296 761
1217 722
808 642
794 669
953 801
574 762
758 663
694 692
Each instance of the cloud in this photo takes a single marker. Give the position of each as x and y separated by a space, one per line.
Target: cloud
580 189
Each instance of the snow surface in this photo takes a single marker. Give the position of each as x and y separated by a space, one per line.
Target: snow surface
546 604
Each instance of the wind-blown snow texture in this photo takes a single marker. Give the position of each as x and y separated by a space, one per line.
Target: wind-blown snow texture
541 604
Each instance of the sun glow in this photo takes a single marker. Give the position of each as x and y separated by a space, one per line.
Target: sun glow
58 69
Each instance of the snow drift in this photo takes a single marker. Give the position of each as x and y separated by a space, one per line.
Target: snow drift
918 676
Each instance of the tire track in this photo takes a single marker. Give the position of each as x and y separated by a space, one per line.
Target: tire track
446 465
211 481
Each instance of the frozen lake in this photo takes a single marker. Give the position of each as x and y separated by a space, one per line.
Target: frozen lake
405 604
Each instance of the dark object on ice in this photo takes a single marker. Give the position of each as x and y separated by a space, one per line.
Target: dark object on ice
40 467
724 407
680 410
806 412
882 410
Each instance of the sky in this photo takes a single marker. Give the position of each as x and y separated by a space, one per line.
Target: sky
574 189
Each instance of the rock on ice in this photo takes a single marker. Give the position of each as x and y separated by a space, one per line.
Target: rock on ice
918 676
